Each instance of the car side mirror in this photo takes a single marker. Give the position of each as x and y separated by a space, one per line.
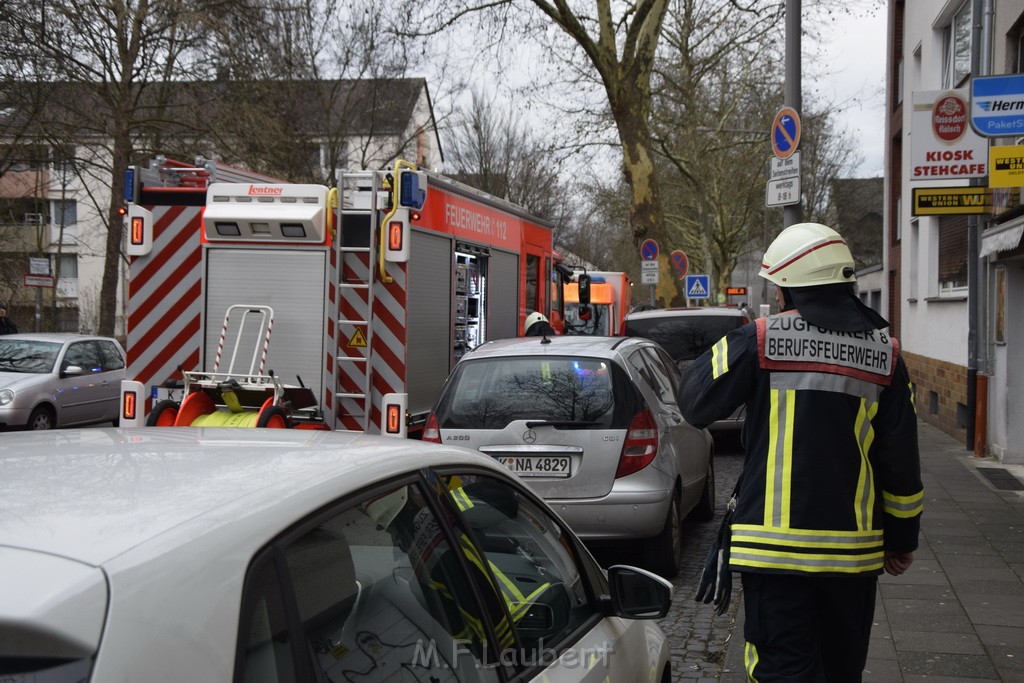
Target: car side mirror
583 283
583 312
638 593
72 371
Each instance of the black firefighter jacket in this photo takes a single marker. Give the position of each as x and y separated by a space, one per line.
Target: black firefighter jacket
831 474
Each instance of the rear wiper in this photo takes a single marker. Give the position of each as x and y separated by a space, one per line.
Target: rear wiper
562 424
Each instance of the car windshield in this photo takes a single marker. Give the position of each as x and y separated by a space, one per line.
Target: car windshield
491 393
685 337
27 355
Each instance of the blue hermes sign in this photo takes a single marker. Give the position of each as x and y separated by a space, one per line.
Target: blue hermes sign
997 105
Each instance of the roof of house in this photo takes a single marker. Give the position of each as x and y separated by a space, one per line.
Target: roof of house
359 106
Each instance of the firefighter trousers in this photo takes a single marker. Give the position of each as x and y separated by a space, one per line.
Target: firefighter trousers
807 629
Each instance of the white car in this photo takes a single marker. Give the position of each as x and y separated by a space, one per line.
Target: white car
52 380
219 554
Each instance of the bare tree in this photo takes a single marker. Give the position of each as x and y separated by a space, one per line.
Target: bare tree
488 148
91 64
615 44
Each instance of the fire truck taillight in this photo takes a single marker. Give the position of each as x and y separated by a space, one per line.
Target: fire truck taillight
392 410
139 224
132 403
129 405
396 238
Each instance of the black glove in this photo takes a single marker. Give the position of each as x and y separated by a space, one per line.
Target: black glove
715 584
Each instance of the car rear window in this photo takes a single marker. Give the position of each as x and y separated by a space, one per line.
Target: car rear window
491 393
685 337
26 355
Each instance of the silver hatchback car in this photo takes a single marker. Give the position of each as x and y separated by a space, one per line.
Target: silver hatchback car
592 424
52 380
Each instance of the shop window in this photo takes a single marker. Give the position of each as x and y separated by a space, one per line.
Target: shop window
952 273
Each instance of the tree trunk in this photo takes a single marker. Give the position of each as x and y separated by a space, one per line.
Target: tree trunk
115 231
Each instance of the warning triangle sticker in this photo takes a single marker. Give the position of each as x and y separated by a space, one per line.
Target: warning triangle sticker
357 339
697 289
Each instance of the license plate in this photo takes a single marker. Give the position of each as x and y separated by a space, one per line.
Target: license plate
537 465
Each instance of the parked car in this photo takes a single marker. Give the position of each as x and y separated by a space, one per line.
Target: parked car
593 425
222 554
59 380
686 333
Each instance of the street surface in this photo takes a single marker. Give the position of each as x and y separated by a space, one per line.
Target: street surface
698 637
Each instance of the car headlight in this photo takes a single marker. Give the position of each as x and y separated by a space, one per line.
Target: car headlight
6 396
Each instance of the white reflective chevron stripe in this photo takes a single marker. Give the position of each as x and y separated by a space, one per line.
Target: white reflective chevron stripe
822 381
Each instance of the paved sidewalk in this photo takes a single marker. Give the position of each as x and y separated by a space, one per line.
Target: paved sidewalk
958 614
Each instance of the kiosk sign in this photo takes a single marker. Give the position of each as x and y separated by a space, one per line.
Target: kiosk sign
943 145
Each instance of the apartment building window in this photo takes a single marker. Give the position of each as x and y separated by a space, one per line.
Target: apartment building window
952 254
68 266
64 211
62 161
956 48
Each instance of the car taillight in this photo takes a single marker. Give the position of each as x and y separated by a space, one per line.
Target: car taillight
641 444
431 430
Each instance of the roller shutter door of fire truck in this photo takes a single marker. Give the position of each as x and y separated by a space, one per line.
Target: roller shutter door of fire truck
503 296
428 319
291 282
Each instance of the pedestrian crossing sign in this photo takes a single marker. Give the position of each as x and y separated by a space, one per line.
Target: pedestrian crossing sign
698 287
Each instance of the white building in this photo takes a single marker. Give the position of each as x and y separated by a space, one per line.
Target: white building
933 150
54 202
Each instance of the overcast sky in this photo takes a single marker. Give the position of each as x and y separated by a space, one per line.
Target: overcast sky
855 48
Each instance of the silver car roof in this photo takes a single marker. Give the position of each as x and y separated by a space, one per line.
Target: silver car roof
556 345
94 494
684 312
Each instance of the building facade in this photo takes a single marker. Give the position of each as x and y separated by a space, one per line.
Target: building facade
54 200
934 157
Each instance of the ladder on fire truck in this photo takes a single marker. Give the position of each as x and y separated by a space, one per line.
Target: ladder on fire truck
360 194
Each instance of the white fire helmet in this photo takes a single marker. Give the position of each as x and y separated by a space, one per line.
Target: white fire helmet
808 254
532 319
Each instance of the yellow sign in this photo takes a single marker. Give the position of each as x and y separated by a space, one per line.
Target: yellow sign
357 339
1006 166
937 201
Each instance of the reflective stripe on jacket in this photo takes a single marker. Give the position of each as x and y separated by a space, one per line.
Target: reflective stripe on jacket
831 474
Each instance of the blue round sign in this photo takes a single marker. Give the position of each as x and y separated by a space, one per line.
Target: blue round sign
786 132
649 250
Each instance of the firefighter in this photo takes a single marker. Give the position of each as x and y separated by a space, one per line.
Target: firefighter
537 325
830 493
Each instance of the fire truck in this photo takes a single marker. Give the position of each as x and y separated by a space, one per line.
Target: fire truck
257 302
611 298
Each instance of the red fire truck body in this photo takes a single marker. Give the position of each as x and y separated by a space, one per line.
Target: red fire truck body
369 301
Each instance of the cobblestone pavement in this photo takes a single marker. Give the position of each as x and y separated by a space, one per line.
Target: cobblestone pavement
698 638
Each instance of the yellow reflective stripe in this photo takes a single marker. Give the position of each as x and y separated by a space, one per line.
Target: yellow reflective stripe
864 499
461 499
750 660
545 369
913 399
805 538
903 506
778 476
805 562
720 358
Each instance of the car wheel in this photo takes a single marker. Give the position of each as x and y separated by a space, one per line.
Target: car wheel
664 551
41 418
274 417
163 414
705 510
